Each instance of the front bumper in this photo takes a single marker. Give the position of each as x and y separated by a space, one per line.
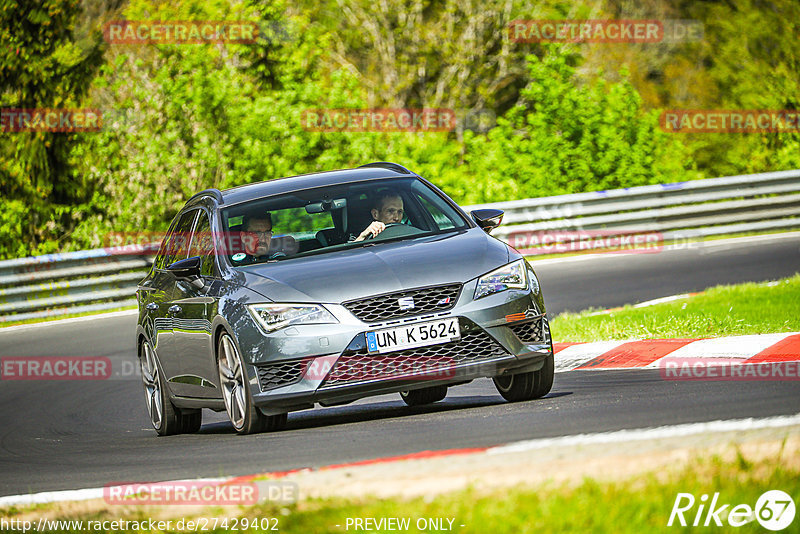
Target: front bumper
504 333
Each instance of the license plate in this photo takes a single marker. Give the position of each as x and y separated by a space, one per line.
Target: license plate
413 335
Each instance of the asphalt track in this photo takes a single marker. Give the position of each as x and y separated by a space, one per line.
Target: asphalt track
74 434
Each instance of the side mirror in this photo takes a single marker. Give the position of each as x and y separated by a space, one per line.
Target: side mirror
488 219
188 269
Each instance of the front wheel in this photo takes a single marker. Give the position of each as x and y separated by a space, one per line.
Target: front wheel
244 415
527 386
418 397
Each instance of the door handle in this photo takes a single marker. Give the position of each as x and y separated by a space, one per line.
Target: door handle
175 309
152 306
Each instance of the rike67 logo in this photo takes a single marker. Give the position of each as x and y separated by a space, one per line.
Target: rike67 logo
774 510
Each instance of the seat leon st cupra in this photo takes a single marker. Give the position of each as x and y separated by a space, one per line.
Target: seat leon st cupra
330 287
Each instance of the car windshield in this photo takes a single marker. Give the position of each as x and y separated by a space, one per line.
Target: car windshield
327 219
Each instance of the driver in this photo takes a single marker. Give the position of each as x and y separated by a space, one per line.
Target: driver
387 209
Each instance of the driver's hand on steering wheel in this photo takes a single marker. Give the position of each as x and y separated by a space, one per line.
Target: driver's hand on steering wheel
372 230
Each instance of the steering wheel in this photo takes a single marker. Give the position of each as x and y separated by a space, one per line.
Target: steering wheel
390 225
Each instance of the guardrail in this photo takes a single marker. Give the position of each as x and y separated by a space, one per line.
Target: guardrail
71 282
698 208
93 280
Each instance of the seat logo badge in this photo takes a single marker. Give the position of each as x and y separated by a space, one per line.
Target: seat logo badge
406 303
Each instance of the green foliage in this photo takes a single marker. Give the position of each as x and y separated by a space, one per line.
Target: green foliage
561 138
190 117
748 59
41 66
179 118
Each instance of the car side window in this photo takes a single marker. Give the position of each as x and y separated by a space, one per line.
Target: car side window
161 257
203 245
177 245
442 221
443 215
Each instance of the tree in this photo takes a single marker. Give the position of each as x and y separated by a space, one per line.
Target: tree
41 66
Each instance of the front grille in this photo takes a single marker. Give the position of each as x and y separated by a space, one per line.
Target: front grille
432 362
385 307
278 374
531 332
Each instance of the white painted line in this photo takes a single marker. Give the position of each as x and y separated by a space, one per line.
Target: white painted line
58 322
750 239
81 494
576 355
739 347
641 434
661 300
645 304
52 496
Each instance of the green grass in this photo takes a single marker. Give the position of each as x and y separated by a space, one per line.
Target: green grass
752 308
635 505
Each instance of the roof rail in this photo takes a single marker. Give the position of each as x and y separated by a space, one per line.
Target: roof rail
387 165
216 193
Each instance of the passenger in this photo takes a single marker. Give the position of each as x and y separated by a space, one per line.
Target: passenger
258 242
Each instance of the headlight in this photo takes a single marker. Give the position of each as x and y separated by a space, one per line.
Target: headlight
275 316
506 277
533 281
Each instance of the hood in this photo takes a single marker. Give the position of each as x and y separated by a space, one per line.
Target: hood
344 275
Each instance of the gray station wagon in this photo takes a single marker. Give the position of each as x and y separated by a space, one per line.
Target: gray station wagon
330 287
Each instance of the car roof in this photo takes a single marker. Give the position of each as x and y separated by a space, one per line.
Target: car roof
278 186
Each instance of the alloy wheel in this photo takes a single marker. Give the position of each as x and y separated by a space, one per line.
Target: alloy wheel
231 376
152 386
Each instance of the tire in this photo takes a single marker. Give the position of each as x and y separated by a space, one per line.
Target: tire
527 386
245 417
191 421
418 397
164 416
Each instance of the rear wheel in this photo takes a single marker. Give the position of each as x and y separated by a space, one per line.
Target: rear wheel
244 415
527 386
418 397
164 416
